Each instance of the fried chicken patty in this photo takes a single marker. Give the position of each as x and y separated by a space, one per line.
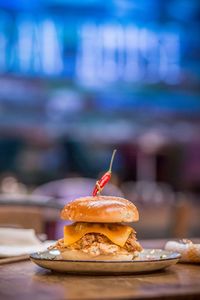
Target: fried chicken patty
96 244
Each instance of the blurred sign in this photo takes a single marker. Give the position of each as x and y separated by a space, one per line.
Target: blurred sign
112 52
92 53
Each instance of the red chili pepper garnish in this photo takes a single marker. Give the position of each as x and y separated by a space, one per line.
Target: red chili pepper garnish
104 179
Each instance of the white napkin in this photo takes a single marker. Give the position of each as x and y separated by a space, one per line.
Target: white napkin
17 241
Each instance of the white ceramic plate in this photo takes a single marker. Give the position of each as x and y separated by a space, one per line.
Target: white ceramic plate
148 260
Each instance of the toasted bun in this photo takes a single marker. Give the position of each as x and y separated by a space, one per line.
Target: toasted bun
100 209
80 255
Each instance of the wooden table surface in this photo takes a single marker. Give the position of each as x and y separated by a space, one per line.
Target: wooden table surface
24 280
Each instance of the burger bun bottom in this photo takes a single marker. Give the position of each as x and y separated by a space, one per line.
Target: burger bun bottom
80 255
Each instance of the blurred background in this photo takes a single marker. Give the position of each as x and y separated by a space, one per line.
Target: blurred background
79 78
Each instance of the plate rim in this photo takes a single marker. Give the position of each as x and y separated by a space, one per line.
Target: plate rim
177 254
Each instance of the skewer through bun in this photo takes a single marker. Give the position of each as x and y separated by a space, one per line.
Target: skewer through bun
100 209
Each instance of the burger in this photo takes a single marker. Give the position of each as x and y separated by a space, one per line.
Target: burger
98 231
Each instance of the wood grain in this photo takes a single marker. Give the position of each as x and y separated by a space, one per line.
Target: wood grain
8 260
24 280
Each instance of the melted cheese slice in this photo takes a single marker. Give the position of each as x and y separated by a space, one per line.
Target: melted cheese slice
117 233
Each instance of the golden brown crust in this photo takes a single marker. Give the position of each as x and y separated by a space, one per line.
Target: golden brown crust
100 209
